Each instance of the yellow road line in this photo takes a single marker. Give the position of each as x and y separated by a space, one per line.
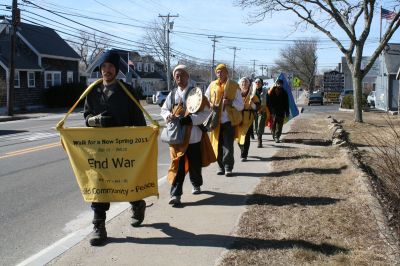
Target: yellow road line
29 150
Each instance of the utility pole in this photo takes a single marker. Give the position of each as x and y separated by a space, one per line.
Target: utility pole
168 27
262 67
234 57
16 18
254 67
214 40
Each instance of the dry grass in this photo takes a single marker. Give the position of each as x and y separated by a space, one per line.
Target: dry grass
311 210
378 143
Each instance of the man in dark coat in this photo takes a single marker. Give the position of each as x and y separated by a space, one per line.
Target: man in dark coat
107 105
278 102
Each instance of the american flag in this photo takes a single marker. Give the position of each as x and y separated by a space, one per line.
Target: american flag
387 14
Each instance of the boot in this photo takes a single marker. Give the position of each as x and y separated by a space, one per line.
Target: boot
259 138
99 235
138 209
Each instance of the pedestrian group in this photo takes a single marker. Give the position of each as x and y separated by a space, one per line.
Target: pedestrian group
227 111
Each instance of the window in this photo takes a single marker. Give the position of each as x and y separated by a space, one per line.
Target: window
31 79
146 67
52 78
139 66
70 77
151 67
16 79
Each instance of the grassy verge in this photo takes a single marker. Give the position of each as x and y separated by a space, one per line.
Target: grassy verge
314 208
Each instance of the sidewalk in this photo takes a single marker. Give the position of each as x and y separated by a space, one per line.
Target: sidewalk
35 113
196 234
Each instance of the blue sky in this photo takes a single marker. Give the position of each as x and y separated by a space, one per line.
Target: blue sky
199 18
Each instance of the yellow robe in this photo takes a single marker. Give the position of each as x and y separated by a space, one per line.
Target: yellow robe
248 118
217 91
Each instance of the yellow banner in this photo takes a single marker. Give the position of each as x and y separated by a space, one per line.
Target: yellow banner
113 164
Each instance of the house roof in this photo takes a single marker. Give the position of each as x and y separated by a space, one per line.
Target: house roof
46 41
392 57
150 75
42 40
23 60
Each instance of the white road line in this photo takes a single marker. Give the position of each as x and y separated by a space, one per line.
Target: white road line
59 247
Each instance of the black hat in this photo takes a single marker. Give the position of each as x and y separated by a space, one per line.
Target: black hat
109 57
259 79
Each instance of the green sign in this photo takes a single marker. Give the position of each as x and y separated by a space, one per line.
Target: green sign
296 82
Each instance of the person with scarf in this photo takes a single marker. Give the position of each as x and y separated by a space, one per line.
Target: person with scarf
107 105
278 103
262 111
224 94
185 157
251 102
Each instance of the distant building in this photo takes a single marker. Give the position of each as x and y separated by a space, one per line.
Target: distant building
387 87
369 81
42 60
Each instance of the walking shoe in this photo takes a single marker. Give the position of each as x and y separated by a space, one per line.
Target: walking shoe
99 235
138 210
243 159
196 190
220 172
175 200
228 173
277 140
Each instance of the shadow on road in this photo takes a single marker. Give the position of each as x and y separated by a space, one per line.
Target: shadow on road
178 237
11 132
223 199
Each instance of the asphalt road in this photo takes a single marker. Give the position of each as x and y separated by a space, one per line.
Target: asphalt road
40 201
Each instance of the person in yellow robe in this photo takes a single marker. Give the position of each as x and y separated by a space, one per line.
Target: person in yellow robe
251 103
224 94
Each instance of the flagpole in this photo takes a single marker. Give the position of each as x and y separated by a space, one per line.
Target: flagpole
380 29
381 54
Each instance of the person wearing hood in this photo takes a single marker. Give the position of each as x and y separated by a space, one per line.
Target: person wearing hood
278 103
224 94
107 105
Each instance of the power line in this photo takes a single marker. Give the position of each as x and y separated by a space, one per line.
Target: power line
79 23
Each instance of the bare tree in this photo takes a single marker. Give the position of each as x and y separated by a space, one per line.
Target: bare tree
88 46
354 18
301 60
243 71
155 42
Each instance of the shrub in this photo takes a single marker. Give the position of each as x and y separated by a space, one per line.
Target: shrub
348 102
64 95
139 93
385 146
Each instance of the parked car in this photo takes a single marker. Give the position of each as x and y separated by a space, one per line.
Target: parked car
371 99
160 97
315 98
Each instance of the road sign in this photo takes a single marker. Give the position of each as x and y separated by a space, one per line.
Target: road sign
296 82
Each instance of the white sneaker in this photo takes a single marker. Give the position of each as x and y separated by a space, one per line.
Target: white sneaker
175 200
196 190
